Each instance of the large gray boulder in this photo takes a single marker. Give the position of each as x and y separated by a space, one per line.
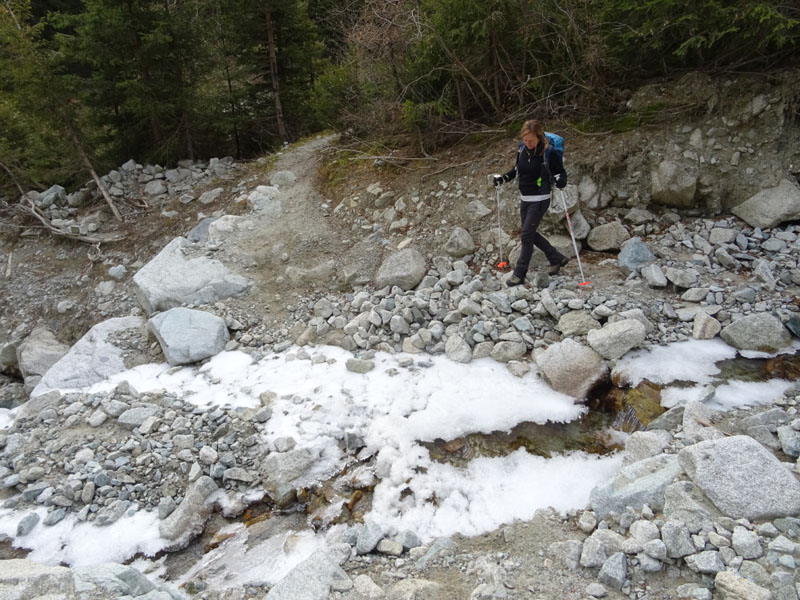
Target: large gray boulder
672 185
28 580
310 580
37 353
94 357
640 484
460 243
742 478
760 331
189 519
405 269
771 207
634 255
170 280
187 336
114 580
613 340
609 236
571 368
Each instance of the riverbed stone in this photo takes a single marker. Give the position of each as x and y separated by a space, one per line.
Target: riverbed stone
772 206
760 331
732 586
614 571
571 368
609 236
634 254
613 340
637 485
404 269
187 336
746 543
742 478
599 546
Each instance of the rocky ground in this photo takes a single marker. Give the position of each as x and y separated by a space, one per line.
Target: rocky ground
387 255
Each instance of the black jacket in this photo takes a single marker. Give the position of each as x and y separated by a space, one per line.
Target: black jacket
534 177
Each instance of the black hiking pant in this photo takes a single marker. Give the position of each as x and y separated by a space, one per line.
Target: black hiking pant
531 214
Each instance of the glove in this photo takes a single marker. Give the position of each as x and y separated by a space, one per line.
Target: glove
561 182
497 180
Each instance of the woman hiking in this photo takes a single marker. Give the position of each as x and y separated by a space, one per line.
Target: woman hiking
538 168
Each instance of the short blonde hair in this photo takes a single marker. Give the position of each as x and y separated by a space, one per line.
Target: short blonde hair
536 128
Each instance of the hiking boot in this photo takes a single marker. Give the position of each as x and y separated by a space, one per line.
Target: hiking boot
514 280
556 267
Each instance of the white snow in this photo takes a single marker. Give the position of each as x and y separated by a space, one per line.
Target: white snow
693 360
79 543
392 409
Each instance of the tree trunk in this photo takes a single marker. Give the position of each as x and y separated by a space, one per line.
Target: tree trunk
88 163
276 86
13 179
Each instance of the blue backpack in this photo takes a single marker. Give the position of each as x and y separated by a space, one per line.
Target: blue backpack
556 143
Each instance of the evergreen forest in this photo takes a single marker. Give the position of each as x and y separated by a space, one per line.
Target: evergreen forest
97 82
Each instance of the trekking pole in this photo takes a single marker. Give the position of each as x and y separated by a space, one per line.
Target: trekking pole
583 281
502 264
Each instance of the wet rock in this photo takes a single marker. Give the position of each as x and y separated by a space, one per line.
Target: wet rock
189 519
